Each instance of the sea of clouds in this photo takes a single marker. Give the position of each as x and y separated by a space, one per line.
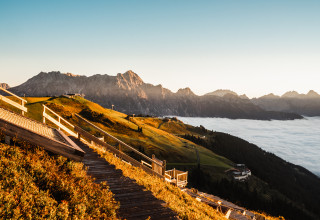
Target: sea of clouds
296 141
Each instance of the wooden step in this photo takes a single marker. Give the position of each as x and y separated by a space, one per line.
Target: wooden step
142 203
135 201
144 213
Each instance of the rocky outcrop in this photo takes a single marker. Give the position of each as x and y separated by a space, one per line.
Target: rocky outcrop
128 93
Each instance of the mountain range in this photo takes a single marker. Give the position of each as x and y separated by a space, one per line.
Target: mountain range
303 104
128 93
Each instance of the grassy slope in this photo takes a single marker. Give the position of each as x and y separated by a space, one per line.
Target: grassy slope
156 141
34 185
157 137
186 206
183 204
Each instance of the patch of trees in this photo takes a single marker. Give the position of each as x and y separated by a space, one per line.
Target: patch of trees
96 117
243 194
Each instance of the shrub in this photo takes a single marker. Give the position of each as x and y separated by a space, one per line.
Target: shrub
35 185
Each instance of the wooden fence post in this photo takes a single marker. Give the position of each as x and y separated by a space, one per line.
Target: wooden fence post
152 164
59 119
22 103
7 140
164 167
43 117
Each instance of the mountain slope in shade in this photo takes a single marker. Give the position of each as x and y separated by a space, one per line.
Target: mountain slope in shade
128 93
303 104
4 85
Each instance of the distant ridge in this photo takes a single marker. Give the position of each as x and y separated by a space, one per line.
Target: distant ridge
291 94
226 92
128 93
292 101
222 92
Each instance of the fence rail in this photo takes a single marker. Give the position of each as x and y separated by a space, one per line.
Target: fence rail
91 138
15 104
155 166
153 161
58 122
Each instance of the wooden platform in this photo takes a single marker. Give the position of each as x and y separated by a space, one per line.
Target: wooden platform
135 201
235 212
37 133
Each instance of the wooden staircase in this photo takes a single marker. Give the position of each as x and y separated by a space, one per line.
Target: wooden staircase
135 201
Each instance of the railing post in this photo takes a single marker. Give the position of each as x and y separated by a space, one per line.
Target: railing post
164 167
43 117
22 103
7 139
152 164
120 147
59 119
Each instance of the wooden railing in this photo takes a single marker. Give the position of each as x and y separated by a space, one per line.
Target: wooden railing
58 122
15 104
92 139
154 166
157 166
180 178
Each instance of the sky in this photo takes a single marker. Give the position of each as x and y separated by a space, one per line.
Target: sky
248 46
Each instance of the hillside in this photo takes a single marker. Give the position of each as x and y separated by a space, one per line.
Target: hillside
168 139
128 93
64 180
292 186
150 141
36 185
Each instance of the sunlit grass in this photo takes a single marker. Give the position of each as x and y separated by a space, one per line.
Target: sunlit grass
162 142
34 185
184 205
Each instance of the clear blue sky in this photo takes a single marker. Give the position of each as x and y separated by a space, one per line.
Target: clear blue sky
252 47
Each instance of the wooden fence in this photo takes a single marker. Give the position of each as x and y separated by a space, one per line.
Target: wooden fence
61 123
15 104
151 165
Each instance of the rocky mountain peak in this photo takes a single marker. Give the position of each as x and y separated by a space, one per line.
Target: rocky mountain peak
312 94
185 92
222 92
291 94
129 80
71 74
270 96
244 96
